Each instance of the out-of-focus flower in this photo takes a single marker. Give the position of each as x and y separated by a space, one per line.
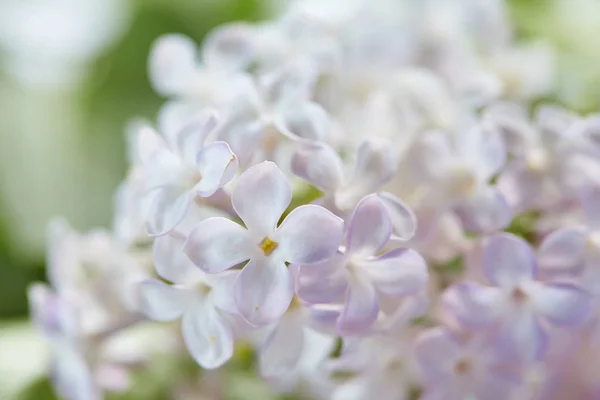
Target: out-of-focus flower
455 367
518 306
458 176
548 165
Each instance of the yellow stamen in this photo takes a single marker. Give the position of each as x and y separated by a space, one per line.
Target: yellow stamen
212 338
295 304
267 246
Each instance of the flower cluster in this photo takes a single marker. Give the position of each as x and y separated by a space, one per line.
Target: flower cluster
362 192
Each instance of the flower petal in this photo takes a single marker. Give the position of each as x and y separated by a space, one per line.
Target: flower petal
563 249
369 228
172 63
483 149
309 234
162 302
474 306
71 375
170 261
307 121
217 244
520 186
168 207
485 212
561 303
360 310
283 348
261 196
375 165
404 221
51 313
433 154
146 142
324 282
222 293
434 349
189 140
217 165
230 46
398 272
520 338
207 336
244 138
318 164
263 291
508 260
174 116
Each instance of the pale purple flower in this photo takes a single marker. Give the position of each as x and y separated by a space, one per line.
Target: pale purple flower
80 355
94 270
458 176
548 165
358 275
517 307
264 287
455 367
576 250
181 167
59 323
203 302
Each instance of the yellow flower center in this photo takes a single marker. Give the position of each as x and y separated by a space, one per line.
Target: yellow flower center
593 241
267 246
537 160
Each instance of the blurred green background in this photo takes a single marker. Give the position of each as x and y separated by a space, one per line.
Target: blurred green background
64 107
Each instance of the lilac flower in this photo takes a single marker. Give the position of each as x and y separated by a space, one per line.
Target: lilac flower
94 270
264 287
459 176
79 346
202 301
457 368
178 169
576 250
358 275
517 307
547 165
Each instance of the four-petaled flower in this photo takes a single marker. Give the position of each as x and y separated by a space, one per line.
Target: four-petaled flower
360 275
518 306
264 287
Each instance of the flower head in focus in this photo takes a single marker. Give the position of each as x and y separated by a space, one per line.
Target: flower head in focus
264 287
